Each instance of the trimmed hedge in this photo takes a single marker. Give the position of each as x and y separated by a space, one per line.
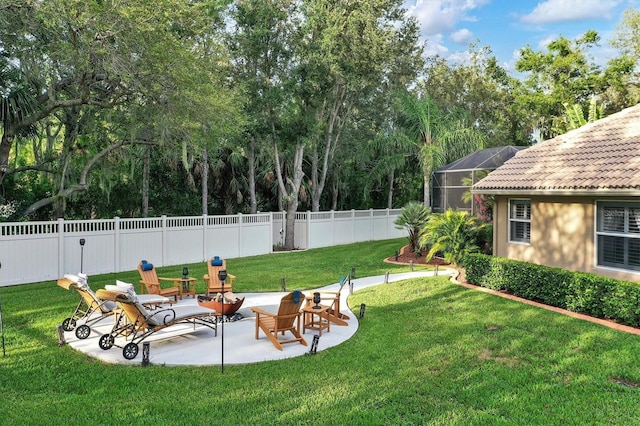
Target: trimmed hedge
581 292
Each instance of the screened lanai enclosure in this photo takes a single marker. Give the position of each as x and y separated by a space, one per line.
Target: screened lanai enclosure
450 183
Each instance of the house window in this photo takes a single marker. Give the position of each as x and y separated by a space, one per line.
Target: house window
618 235
520 221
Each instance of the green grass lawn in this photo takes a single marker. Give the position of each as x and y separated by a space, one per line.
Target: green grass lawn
426 352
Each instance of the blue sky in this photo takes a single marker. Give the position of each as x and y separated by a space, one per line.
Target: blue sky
448 26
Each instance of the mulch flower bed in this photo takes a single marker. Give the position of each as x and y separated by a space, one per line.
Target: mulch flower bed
405 257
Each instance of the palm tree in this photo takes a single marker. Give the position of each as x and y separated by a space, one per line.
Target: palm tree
452 233
18 100
413 217
439 136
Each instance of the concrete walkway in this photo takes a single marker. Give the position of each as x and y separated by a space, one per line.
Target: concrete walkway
238 337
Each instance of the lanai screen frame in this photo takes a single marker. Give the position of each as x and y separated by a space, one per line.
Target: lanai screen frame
447 190
446 183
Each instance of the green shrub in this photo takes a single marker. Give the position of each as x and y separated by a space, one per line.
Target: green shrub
588 292
476 268
412 218
452 233
581 292
623 303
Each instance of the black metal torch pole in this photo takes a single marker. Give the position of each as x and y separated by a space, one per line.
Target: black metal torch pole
2 325
222 276
222 330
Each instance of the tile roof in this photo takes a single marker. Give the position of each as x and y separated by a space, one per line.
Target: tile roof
603 156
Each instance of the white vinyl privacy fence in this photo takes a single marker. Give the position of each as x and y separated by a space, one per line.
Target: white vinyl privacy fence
41 251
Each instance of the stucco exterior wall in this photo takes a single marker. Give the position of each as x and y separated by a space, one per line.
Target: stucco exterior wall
562 235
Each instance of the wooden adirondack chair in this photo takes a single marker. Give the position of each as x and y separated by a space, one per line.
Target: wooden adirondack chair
287 319
150 281
214 286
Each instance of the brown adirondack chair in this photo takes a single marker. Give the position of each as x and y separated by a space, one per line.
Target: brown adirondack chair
214 286
151 282
275 326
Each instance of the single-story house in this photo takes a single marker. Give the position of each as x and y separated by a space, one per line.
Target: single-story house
573 201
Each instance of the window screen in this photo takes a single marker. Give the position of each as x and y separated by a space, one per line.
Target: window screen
618 235
520 221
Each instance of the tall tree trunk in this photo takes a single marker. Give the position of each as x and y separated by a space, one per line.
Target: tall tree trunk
290 225
334 195
390 191
205 181
145 181
335 124
315 184
5 149
253 200
427 191
291 196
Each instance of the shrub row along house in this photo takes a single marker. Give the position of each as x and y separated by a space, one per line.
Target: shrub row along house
573 201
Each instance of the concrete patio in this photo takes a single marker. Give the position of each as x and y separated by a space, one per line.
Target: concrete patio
174 347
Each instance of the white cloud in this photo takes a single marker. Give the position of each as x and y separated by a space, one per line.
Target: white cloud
510 65
463 57
551 11
436 50
441 16
435 47
542 44
436 17
463 36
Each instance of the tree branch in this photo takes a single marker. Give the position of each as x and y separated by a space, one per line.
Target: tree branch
38 168
80 186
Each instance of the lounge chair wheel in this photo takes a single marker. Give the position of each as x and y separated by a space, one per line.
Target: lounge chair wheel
106 342
68 324
130 351
83 331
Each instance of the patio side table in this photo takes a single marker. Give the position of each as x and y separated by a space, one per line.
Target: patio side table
187 286
316 318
